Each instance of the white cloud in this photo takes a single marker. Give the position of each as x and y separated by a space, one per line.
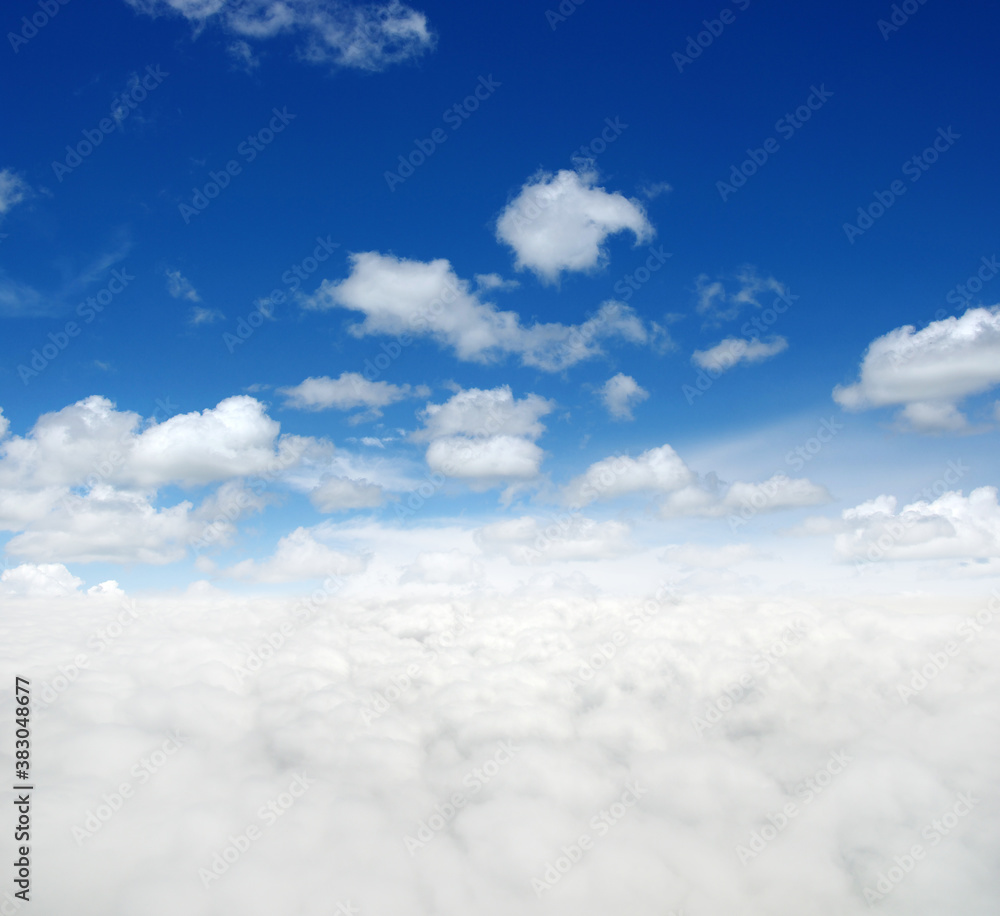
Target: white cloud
486 282
620 394
718 305
560 223
13 190
43 580
368 37
529 540
451 567
661 471
180 287
201 315
484 412
298 557
658 470
702 557
588 693
492 459
82 485
484 435
337 494
347 391
929 371
951 526
735 350
405 299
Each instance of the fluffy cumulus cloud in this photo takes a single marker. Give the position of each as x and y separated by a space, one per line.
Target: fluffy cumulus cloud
404 298
348 391
929 372
662 472
484 435
455 753
561 222
82 485
732 351
620 394
362 36
952 526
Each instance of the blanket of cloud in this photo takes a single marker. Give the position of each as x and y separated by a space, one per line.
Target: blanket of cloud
454 749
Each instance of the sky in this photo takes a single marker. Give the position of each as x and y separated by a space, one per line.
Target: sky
517 314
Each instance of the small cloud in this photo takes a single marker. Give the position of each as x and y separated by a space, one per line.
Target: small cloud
13 189
200 315
180 287
620 394
243 56
735 350
487 282
655 189
719 305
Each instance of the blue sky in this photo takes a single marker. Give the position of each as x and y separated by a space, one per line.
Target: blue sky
353 104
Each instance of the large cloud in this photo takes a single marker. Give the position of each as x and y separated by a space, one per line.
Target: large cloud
367 37
406 298
83 484
446 756
930 371
560 223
